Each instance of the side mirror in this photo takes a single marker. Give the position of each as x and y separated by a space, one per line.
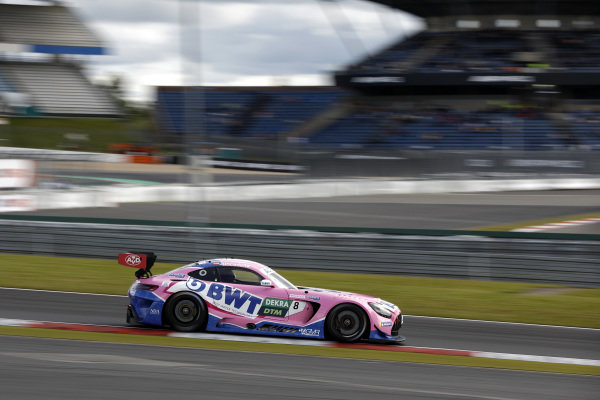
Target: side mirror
266 282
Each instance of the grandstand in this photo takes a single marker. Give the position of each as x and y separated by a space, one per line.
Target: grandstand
243 112
485 75
42 50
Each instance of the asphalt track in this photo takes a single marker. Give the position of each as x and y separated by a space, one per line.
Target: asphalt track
419 331
56 369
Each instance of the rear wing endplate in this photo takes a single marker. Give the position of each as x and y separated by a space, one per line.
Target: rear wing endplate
138 259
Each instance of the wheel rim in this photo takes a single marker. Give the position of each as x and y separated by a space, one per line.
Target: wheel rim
348 323
186 311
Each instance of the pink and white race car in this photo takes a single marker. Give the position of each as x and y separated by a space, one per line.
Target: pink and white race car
241 296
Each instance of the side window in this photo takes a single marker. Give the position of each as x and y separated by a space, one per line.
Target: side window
205 274
239 275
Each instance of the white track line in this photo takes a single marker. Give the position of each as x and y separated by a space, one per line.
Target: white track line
61 291
301 342
543 359
556 225
500 322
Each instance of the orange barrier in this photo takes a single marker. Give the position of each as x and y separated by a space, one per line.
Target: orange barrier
145 159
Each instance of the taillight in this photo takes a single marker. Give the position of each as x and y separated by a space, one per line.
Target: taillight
143 286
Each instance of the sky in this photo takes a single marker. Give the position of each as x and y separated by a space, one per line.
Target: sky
234 42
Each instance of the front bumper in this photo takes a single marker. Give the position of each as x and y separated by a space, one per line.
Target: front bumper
378 334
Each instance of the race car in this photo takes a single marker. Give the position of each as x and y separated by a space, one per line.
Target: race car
241 296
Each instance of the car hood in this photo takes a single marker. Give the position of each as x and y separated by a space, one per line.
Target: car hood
338 294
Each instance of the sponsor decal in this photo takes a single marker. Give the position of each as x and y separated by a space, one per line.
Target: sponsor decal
133 260
226 297
178 276
297 296
310 332
280 308
388 304
277 328
275 307
315 298
386 324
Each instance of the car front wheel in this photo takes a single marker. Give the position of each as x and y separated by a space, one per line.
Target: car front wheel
186 312
346 323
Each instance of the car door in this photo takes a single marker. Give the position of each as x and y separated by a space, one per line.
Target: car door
243 294
301 309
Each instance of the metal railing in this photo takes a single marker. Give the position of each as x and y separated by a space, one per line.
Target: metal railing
561 261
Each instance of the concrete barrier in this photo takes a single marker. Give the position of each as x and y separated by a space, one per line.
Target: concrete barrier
111 195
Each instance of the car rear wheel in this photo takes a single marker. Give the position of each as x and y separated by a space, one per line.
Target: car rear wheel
346 323
186 312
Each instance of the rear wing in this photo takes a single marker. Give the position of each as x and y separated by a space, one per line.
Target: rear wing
142 260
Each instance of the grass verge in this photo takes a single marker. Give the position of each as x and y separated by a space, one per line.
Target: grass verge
49 133
302 350
453 298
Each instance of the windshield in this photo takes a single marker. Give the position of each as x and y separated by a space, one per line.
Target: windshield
277 279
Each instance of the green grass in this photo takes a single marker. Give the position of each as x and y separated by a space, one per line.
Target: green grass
499 301
303 350
49 133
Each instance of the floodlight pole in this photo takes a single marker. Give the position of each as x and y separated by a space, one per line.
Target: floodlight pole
194 134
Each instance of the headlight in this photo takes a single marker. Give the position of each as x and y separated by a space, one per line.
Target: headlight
381 310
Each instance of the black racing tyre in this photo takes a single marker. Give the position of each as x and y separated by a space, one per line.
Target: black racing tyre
186 312
346 323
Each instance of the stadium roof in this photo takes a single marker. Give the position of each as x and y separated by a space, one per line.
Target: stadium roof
49 28
439 8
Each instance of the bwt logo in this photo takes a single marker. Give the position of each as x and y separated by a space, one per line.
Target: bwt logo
226 297
133 260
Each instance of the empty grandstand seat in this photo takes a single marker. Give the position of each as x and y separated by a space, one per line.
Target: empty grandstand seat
53 25
59 89
257 112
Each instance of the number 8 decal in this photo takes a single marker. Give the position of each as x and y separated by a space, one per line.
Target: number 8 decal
296 307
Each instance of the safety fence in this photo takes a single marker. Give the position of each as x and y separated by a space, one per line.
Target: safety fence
561 261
